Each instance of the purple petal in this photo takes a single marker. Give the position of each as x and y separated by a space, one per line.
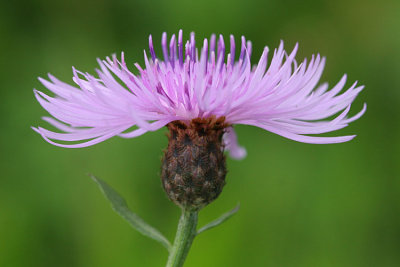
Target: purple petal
231 144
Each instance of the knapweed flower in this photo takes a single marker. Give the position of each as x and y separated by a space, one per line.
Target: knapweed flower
199 95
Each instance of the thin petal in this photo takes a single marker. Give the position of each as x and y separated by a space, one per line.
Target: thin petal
231 144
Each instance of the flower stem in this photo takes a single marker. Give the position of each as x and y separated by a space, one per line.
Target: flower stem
184 238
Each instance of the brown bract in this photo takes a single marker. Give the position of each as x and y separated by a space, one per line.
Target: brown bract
193 167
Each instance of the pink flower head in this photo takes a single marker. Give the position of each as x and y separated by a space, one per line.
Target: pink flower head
281 97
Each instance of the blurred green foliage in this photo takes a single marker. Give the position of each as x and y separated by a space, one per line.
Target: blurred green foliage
301 205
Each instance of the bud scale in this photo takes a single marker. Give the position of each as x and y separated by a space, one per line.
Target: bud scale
193 168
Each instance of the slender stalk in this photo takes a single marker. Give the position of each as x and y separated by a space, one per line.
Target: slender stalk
184 238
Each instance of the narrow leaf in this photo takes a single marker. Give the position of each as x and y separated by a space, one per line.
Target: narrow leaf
220 220
120 206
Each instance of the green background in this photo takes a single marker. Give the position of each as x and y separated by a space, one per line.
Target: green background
301 204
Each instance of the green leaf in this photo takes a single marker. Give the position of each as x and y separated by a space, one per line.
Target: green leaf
120 206
220 220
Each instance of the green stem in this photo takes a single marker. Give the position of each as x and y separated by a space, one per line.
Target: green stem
183 239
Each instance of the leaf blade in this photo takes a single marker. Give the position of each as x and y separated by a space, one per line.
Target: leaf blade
120 206
219 220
